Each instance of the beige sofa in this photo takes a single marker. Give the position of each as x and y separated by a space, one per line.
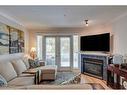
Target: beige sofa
52 87
13 66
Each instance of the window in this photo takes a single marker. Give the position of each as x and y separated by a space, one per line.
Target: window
39 47
75 52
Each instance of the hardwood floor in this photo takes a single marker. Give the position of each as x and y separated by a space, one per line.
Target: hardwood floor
89 79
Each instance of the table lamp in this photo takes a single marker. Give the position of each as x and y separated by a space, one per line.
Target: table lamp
33 52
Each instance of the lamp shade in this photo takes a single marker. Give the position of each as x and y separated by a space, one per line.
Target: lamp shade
33 52
33 49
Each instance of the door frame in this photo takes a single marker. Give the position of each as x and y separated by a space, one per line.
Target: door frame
57 50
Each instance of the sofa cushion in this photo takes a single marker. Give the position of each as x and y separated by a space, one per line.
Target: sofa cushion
22 81
48 67
26 61
26 75
3 82
60 87
51 87
48 71
7 70
48 76
19 66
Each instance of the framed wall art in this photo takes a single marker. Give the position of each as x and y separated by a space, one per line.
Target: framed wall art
16 42
4 39
11 40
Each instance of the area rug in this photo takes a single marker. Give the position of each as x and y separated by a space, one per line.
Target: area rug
64 78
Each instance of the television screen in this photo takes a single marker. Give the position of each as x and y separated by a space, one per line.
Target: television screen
95 42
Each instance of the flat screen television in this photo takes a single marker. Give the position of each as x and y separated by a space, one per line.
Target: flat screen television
99 42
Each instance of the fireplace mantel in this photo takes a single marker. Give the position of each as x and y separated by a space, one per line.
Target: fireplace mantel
96 53
103 57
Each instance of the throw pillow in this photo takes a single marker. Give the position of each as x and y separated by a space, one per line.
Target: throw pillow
37 63
3 82
19 66
25 60
34 63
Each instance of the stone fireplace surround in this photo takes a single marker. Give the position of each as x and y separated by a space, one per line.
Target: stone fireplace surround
98 60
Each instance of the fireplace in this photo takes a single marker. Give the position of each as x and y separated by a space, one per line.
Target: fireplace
93 67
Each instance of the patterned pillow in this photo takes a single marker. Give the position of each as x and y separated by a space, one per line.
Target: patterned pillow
26 61
37 63
34 63
3 82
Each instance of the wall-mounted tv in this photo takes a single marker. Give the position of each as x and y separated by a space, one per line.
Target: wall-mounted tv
99 42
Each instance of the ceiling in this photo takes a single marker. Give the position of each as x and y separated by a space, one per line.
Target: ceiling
33 17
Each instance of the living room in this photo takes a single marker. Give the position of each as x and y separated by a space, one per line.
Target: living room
63 47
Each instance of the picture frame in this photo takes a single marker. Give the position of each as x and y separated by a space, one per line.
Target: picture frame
11 40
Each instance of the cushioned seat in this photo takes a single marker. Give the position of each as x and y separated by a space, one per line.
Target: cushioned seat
26 75
48 72
71 86
45 68
48 67
50 87
31 71
21 81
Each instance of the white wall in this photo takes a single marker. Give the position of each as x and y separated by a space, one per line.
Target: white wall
51 31
12 22
99 29
120 35
80 31
118 30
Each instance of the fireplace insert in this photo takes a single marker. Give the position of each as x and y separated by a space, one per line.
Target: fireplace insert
93 67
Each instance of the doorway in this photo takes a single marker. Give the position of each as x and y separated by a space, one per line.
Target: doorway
59 51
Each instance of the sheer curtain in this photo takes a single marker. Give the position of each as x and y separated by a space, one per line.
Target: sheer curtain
75 51
39 47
